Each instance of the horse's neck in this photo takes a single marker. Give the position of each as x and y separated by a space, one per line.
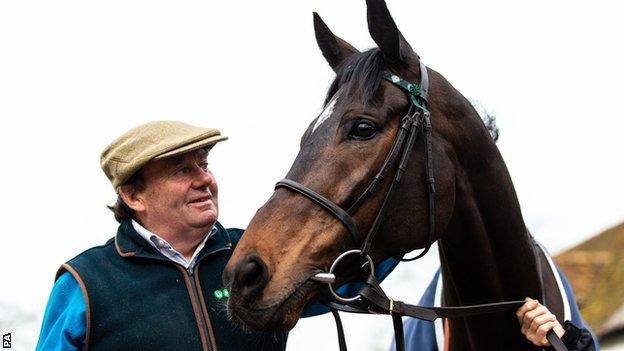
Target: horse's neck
486 256
487 241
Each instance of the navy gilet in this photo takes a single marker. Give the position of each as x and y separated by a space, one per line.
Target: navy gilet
137 299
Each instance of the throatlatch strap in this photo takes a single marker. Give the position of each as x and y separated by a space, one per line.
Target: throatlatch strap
431 188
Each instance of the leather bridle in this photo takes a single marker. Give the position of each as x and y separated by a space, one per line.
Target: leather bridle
371 297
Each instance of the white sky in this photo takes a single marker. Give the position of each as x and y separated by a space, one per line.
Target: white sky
76 74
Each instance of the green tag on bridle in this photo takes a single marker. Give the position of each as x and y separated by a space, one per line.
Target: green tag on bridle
413 90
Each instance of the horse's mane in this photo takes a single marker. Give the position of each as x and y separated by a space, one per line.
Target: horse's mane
488 118
362 72
490 124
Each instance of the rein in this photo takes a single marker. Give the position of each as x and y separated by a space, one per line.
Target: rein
371 297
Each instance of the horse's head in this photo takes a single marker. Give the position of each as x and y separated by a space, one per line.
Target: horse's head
291 238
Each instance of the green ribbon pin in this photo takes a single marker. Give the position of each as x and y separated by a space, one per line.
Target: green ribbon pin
221 293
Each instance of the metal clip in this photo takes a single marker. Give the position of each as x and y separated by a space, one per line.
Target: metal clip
328 278
415 116
371 311
391 309
427 120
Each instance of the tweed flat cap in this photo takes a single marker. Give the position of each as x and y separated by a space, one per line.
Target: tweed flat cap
152 141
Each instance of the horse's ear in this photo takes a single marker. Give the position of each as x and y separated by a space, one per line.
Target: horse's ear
385 33
334 49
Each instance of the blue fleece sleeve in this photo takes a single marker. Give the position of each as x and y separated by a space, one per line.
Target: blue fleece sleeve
579 336
64 322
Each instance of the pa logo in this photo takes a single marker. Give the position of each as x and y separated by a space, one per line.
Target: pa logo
221 293
6 341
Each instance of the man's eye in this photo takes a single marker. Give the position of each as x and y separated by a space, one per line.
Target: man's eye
184 170
363 130
204 166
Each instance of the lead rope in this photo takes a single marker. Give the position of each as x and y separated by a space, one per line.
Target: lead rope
341 337
397 323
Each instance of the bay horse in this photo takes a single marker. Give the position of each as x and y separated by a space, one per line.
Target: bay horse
486 252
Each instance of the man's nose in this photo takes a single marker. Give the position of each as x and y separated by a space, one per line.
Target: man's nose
202 176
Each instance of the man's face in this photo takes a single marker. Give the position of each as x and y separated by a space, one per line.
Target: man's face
180 195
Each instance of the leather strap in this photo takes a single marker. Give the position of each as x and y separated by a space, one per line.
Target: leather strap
374 300
424 82
338 212
431 185
385 167
410 123
341 337
555 341
399 338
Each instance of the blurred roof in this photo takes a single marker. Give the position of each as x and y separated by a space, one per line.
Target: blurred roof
595 269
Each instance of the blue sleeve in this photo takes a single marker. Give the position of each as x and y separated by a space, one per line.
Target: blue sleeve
583 338
382 270
578 339
64 322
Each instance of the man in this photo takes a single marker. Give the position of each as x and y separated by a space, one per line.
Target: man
157 284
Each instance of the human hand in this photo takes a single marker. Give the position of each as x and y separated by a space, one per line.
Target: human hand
536 320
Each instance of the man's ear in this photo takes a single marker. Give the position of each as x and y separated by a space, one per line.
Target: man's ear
132 198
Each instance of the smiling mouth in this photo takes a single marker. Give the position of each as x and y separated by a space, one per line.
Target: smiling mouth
202 201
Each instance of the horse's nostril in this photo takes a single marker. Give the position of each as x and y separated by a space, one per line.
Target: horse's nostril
250 276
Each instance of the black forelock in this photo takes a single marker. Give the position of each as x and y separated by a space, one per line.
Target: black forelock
361 73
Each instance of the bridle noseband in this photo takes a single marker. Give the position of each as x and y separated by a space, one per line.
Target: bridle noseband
372 298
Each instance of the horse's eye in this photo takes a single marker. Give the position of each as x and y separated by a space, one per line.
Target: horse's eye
363 130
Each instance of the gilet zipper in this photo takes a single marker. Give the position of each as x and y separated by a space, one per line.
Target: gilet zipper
202 318
194 292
